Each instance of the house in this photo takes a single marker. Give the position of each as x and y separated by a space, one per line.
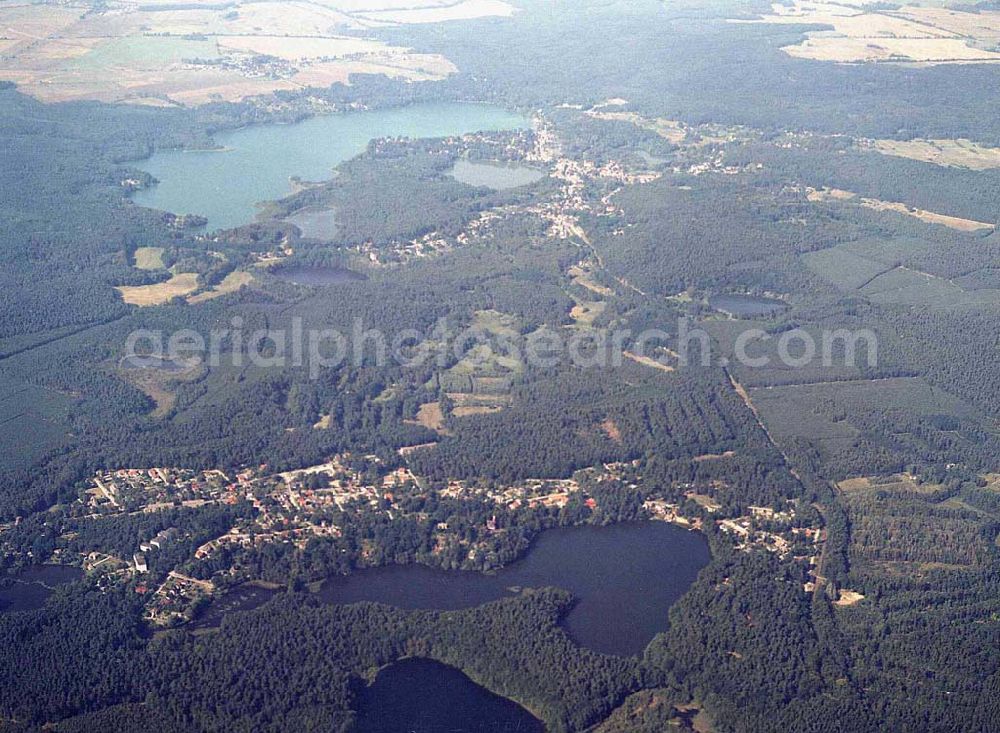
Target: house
140 562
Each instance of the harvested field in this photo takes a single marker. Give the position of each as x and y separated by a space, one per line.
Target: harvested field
495 322
191 54
297 48
861 50
959 153
843 268
910 34
160 293
714 456
466 10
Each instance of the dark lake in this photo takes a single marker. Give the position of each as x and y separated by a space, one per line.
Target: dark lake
746 306
242 598
624 576
423 696
32 586
318 276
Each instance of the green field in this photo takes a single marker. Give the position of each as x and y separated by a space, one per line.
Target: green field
146 52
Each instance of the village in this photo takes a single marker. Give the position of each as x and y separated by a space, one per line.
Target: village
294 508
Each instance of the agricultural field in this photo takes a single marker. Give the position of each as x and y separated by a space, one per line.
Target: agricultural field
891 270
182 285
436 12
948 153
178 285
842 268
195 53
869 32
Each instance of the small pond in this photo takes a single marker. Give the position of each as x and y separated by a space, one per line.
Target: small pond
495 176
423 696
318 276
32 586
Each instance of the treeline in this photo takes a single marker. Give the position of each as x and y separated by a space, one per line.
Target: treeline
260 671
560 422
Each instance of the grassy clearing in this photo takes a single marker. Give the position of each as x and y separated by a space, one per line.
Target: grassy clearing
149 258
585 312
902 482
468 411
848 598
230 284
585 279
431 417
495 322
647 361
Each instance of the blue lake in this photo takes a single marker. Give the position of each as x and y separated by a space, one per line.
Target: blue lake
254 164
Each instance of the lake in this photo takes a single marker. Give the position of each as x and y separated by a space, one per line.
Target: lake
625 577
315 223
746 306
495 176
245 597
317 276
254 164
424 696
32 586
